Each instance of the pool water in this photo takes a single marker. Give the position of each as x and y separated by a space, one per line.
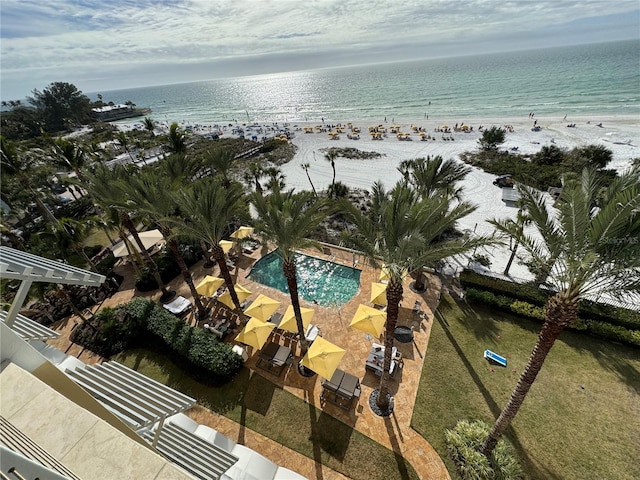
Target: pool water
327 283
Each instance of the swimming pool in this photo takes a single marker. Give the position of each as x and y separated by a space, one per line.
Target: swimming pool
327 283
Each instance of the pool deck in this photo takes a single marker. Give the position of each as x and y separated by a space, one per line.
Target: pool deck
394 432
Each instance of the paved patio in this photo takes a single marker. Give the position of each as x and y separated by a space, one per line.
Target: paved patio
394 432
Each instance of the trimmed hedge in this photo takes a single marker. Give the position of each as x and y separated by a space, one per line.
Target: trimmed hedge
114 330
198 347
528 310
532 294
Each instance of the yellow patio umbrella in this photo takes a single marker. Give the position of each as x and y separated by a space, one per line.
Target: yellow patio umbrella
384 273
242 232
226 245
262 307
242 293
288 321
255 333
369 320
323 357
209 285
379 293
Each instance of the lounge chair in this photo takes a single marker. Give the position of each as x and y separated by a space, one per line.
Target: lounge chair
179 306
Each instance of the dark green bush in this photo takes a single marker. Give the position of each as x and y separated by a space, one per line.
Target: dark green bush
463 444
537 296
200 348
528 310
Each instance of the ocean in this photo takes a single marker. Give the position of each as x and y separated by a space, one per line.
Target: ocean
577 80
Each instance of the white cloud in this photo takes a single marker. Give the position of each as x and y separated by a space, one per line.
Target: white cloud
90 37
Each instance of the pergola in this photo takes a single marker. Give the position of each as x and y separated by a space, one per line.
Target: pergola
29 268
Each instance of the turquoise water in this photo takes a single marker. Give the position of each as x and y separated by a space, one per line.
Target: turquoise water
586 79
327 283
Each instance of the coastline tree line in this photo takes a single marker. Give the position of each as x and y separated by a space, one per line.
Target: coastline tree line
58 107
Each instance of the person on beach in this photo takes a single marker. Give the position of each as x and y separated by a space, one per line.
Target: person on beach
565 117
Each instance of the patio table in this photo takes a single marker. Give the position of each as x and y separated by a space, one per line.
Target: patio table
375 360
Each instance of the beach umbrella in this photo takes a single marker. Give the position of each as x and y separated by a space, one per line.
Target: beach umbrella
288 321
369 320
262 308
209 285
242 232
226 245
323 357
149 239
379 293
384 273
255 333
242 293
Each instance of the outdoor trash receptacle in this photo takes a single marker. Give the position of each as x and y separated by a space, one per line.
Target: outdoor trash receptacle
403 334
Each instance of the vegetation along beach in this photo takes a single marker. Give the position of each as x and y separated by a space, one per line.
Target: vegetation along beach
305 266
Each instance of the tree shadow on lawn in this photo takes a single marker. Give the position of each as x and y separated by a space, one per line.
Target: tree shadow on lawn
495 409
483 326
612 356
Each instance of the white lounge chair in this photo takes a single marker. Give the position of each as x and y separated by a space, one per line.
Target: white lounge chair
286 474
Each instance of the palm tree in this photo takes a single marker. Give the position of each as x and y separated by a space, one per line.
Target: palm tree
276 178
123 140
177 139
71 155
433 174
253 175
220 161
330 157
305 167
596 252
149 126
71 233
151 192
208 209
29 171
517 227
288 219
105 185
404 232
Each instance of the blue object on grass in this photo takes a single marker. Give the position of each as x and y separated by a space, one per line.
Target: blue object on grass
488 354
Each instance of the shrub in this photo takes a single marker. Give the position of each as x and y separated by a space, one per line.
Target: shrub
492 138
463 444
198 347
527 310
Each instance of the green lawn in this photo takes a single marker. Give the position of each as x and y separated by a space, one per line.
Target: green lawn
263 407
581 418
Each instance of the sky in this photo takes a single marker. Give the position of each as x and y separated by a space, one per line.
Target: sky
103 45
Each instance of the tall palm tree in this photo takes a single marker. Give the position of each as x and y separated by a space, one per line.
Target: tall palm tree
105 185
330 157
288 219
597 253
149 126
517 227
151 192
177 139
404 231
123 140
71 233
29 170
207 210
71 155
433 174
220 161
305 167
254 175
